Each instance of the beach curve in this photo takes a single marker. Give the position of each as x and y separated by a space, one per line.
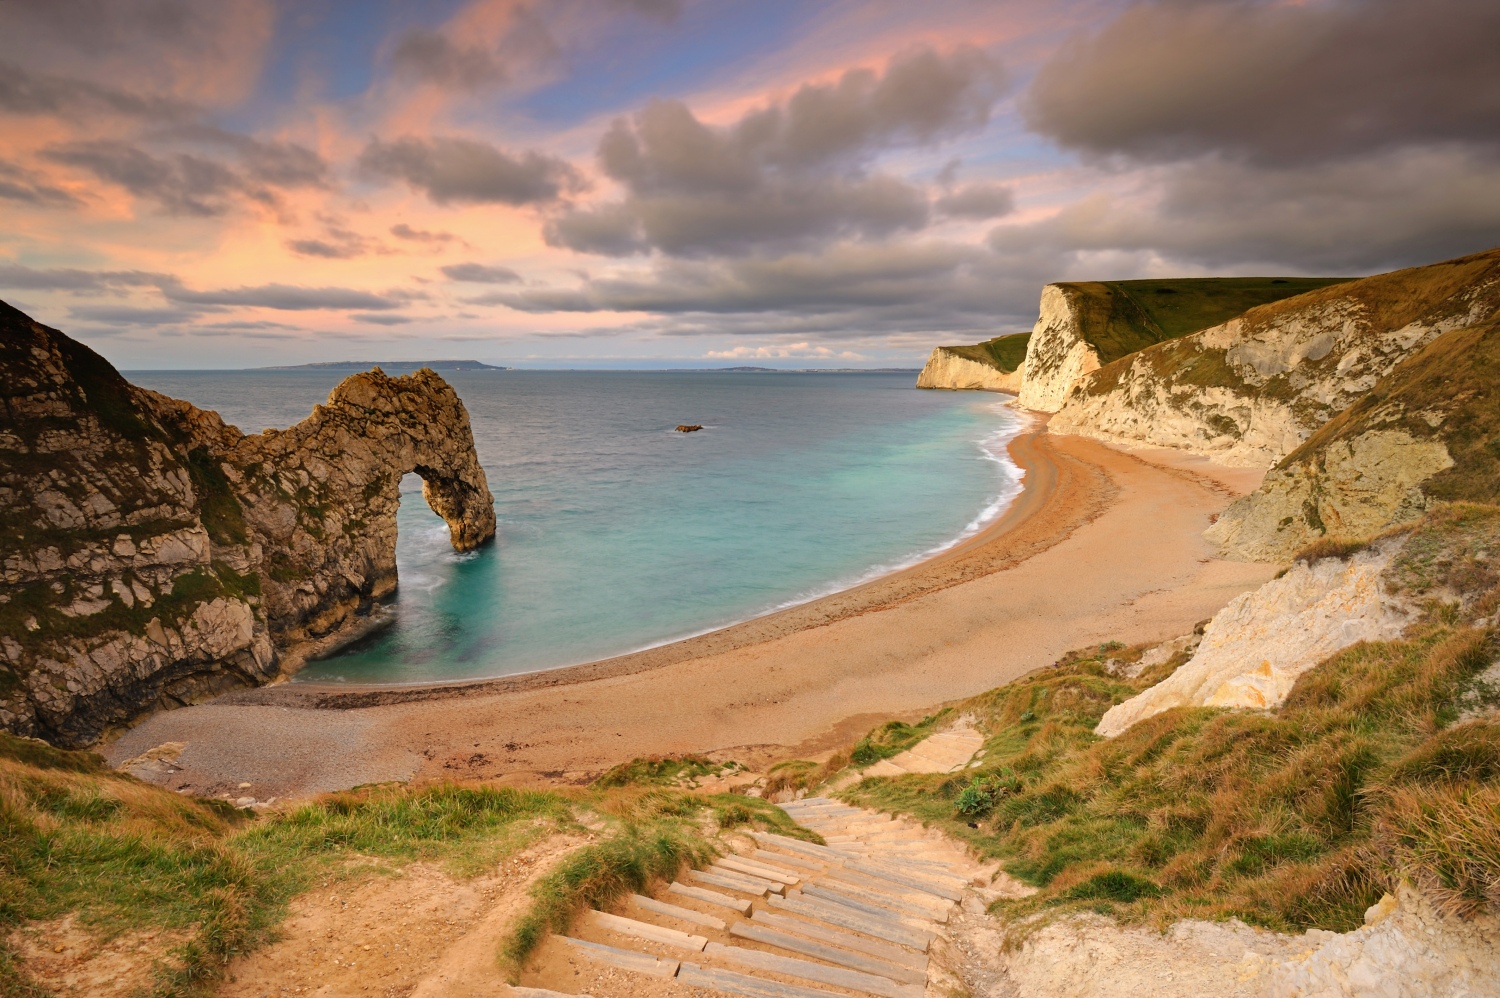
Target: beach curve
1098 544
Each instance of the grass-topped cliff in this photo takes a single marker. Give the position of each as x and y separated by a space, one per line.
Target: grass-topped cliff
1250 390
1120 317
1085 325
1003 353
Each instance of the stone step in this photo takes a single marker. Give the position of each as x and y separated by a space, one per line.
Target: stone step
915 909
813 891
732 983
889 952
797 861
645 930
737 882
798 846
740 905
749 867
933 883
828 954
848 918
673 911
806 970
845 875
625 959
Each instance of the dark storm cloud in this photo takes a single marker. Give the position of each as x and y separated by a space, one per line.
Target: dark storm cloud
1350 217
784 175
279 164
98 27
15 275
27 186
285 297
917 283
191 183
461 171
478 273
536 36
24 92
382 320
429 57
124 315
1279 83
403 231
983 200
325 249
337 243
182 183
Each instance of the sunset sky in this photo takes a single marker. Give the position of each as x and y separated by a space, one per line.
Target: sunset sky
565 183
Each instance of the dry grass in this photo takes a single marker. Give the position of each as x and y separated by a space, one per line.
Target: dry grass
1293 819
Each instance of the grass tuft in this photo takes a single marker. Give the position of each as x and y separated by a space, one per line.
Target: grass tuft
1292 819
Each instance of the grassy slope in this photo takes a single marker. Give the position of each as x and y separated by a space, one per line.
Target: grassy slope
78 837
1004 353
1121 317
1296 818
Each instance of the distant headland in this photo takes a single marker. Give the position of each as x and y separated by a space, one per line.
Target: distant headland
396 366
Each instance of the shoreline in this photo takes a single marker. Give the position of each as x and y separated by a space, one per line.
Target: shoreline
1038 483
1101 544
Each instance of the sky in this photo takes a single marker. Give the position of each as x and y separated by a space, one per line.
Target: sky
690 183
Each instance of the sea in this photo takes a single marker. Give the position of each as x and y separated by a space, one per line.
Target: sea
617 533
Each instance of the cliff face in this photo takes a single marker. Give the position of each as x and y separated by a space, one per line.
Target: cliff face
1085 325
1421 434
151 555
1058 353
1251 390
946 368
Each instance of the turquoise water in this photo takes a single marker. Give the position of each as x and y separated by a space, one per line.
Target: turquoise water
617 533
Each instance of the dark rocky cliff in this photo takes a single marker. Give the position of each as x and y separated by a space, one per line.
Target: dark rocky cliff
151 555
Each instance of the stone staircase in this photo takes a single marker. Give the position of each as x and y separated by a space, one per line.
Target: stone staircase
789 919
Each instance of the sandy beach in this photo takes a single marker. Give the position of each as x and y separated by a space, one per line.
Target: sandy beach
1100 545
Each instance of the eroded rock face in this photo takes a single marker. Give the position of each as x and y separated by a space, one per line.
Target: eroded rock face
1250 391
151 555
1421 435
1255 648
1057 354
946 369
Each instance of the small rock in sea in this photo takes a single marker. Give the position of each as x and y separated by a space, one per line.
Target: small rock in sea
689 428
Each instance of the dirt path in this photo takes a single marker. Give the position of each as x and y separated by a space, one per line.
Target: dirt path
419 933
1101 545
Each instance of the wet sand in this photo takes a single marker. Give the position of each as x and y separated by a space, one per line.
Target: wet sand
1101 544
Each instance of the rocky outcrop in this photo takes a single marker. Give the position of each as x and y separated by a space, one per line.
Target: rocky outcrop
996 365
1418 436
151 555
948 369
1058 353
1087 324
1404 950
1249 391
1255 648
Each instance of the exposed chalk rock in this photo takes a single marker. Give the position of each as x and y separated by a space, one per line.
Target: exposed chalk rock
1255 648
1058 353
950 370
1248 392
151 555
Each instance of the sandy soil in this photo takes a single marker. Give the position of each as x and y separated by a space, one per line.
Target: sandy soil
1101 545
418 933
